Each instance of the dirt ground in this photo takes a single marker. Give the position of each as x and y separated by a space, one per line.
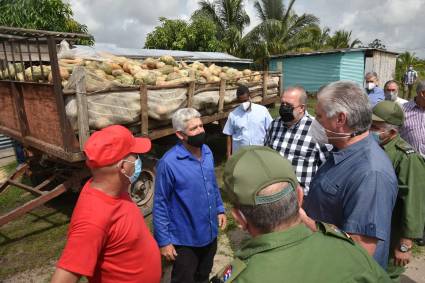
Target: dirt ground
226 245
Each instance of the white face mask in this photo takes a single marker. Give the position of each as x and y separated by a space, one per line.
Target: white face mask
370 86
318 134
246 105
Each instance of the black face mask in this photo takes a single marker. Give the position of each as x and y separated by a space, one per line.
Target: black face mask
286 112
196 140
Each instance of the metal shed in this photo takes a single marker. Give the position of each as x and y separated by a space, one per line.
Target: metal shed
315 69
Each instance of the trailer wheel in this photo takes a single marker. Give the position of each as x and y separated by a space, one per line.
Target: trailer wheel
142 190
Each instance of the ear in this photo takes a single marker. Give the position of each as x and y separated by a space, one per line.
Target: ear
341 119
300 195
179 135
240 219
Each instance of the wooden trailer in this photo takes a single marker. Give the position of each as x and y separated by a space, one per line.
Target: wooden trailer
33 113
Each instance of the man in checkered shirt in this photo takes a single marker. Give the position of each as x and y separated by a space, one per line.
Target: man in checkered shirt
288 134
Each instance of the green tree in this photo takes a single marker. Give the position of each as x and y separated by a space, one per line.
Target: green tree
197 35
377 43
281 30
230 18
342 39
51 15
170 34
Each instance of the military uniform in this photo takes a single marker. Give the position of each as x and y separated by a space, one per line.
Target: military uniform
300 255
409 212
294 254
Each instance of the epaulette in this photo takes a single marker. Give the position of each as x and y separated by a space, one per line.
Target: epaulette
334 231
229 272
405 147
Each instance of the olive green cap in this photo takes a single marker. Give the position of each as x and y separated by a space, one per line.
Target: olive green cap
389 112
252 169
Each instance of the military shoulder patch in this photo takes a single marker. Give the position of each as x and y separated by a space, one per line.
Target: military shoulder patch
332 230
229 272
405 147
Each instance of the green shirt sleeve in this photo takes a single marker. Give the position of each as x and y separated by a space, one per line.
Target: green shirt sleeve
411 178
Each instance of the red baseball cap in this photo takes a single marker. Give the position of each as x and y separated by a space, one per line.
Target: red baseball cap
111 144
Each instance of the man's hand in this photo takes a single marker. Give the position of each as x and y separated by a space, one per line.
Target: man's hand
64 276
222 220
169 252
400 258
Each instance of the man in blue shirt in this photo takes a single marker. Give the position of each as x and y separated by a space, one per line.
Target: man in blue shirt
356 188
374 92
187 204
247 124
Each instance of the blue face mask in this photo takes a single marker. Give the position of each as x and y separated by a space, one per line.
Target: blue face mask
376 136
137 170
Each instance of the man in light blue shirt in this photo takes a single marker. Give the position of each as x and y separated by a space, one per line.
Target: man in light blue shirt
374 92
247 124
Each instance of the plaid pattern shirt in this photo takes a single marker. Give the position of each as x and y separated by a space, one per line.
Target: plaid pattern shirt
296 145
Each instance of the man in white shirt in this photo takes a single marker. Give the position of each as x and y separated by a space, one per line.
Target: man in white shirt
247 124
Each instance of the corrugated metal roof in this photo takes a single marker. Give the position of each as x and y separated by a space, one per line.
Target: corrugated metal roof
136 53
345 50
21 33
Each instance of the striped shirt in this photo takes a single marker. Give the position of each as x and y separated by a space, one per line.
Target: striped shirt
413 129
410 77
296 144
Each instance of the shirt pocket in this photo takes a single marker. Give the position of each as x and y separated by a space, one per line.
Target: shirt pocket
329 188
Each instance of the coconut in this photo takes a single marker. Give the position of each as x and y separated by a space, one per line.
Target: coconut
169 60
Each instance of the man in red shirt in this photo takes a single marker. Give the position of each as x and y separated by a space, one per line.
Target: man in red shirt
108 240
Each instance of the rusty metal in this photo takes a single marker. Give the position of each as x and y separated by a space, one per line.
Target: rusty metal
39 57
13 59
7 61
29 57
22 61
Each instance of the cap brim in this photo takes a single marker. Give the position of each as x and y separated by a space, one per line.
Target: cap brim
141 145
376 118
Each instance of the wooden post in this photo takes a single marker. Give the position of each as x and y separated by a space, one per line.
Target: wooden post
144 109
222 91
265 79
280 86
190 93
82 106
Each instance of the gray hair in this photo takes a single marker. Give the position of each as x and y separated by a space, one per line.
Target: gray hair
420 87
301 90
371 74
266 217
182 116
349 98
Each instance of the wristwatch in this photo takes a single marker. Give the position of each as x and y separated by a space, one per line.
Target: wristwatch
404 248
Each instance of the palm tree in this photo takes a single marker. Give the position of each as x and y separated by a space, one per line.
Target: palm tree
280 30
230 18
342 39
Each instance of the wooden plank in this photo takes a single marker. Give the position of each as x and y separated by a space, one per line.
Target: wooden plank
45 197
265 80
190 93
57 86
82 106
25 187
221 94
144 110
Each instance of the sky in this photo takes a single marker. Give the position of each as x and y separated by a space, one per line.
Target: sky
125 23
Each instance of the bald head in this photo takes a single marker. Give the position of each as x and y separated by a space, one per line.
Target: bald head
295 94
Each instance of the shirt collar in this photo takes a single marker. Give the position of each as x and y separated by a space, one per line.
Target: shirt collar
183 153
341 155
274 240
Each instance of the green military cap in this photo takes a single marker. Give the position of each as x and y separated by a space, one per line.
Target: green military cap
389 112
252 169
